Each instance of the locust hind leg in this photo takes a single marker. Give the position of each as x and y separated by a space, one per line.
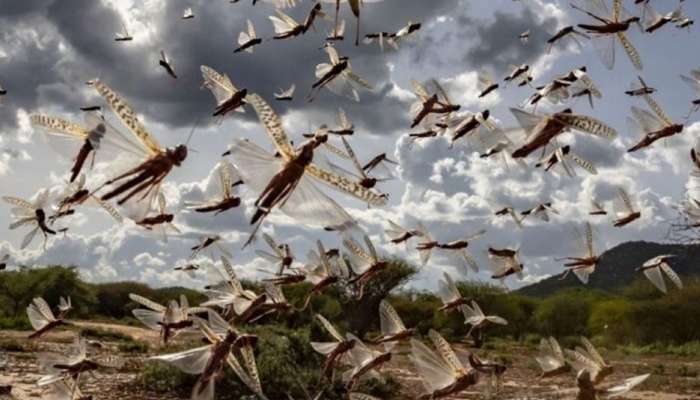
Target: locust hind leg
146 181
155 184
255 229
127 185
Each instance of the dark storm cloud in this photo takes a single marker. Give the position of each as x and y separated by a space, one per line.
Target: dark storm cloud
28 67
87 28
499 45
14 9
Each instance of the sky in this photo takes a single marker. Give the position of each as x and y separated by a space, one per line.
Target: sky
50 48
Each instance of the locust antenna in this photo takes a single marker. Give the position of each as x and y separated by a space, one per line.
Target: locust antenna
189 137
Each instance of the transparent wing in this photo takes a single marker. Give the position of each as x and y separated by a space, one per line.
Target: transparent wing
21 203
251 29
654 275
252 368
108 208
494 319
477 309
605 47
556 349
597 7
360 353
329 327
693 83
112 137
447 290
220 85
616 10
625 198
343 121
389 320
671 275
28 238
324 348
547 363
332 54
631 51
36 319
419 90
226 177
335 150
280 25
147 302
127 115
192 361
646 120
286 93
434 372
347 186
257 167
370 247
357 81
657 109
243 38
625 387
152 319
43 307
340 171
351 153
527 121
593 352
395 231
587 124
580 361
309 205
289 20
58 126
273 125
583 163
357 253
445 351
267 256
485 80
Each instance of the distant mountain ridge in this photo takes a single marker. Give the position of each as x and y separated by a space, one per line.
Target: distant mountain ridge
616 268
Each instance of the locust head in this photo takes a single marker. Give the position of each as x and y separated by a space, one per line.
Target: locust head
178 154
634 19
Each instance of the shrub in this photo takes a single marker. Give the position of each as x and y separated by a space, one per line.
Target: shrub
286 363
133 347
19 323
566 313
611 319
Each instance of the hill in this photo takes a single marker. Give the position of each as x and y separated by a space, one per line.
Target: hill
616 268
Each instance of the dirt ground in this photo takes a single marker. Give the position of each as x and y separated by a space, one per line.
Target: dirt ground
673 378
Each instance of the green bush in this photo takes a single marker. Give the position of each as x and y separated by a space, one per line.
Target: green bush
104 335
566 313
18 322
287 365
19 287
133 347
611 319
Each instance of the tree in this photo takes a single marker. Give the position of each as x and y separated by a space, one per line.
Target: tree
18 288
361 314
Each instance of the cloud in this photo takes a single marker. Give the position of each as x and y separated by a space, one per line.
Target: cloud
502 50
